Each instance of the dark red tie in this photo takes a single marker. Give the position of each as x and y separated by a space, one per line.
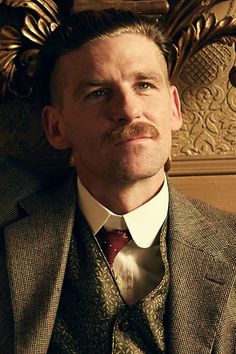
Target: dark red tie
112 242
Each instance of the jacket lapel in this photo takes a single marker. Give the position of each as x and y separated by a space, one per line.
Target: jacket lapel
37 248
201 277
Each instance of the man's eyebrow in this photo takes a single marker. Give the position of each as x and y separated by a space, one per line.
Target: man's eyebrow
85 84
152 75
96 82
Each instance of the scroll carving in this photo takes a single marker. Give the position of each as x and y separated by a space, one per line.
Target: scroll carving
189 32
19 49
208 105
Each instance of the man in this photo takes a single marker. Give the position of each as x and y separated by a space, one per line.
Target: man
171 288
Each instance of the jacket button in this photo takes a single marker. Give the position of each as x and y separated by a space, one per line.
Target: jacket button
124 326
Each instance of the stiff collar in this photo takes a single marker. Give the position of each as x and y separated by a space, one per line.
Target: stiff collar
143 223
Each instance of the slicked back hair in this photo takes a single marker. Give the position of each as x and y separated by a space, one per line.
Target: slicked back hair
84 27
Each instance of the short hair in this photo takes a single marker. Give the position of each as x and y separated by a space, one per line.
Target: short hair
84 27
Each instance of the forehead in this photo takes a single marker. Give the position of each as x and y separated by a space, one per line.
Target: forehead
121 53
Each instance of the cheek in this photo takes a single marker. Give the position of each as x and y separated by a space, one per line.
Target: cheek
159 107
84 138
160 117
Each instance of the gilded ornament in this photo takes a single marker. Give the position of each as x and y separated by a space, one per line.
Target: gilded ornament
19 49
190 26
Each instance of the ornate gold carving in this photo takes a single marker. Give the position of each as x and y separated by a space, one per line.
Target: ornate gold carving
189 32
208 107
19 49
231 98
46 9
203 68
152 7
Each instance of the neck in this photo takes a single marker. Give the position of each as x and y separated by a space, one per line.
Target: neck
123 198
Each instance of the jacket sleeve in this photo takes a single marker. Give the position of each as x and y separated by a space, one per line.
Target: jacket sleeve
6 315
225 341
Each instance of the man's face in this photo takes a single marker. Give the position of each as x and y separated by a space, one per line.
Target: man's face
118 110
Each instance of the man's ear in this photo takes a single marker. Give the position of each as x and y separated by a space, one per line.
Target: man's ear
52 123
176 118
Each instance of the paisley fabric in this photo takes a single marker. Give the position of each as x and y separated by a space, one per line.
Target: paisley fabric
92 316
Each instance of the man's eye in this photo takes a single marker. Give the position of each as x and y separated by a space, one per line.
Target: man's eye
96 94
144 85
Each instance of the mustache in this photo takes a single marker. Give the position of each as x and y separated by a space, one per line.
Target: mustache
129 131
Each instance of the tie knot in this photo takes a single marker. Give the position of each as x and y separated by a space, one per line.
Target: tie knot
112 242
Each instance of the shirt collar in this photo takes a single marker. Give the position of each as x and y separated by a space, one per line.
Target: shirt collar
143 223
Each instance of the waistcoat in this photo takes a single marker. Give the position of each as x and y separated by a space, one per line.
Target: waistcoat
92 317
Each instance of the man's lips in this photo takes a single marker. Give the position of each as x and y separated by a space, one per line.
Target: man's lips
133 139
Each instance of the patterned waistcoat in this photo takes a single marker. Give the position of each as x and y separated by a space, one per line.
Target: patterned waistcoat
93 318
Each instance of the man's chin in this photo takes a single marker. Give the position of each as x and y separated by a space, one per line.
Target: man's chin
135 174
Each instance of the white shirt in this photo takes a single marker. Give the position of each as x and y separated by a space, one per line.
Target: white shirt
138 267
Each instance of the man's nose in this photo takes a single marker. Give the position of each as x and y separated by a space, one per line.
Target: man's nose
126 106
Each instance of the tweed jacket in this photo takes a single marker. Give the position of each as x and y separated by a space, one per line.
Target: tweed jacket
36 224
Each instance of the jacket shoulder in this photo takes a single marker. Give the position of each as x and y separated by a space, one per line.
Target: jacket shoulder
19 181
208 211
215 214
203 226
